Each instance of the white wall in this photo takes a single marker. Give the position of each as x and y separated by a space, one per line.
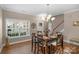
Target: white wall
40 28
71 32
18 16
0 30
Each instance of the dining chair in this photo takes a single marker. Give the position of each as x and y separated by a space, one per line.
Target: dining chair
53 45
34 42
42 44
58 44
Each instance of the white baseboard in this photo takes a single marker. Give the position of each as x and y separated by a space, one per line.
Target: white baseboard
1 48
19 42
68 41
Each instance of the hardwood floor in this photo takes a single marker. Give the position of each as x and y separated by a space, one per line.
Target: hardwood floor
19 48
70 48
25 48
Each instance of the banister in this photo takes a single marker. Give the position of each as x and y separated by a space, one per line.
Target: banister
58 25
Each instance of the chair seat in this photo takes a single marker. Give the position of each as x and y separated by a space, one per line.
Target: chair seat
35 41
42 45
59 44
54 43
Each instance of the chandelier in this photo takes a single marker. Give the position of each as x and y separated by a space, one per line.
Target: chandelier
47 16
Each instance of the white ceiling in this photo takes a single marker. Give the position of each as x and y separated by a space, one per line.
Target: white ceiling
36 9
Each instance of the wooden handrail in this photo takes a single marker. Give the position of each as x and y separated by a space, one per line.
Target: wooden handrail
58 25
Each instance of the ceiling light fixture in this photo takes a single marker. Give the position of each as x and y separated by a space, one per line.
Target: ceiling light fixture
53 18
47 4
49 16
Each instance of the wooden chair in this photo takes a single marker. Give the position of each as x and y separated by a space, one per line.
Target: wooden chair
53 45
42 45
58 45
34 42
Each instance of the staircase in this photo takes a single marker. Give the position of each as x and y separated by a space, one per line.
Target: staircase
60 24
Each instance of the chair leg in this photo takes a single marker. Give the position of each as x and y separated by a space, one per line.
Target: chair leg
48 49
62 49
51 49
35 48
41 49
44 50
32 47
38 48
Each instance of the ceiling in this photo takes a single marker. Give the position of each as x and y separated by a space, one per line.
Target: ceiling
36 9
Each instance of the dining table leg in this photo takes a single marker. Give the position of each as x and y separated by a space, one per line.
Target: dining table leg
49 49
44 50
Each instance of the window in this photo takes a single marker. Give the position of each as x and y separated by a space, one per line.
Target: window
17 28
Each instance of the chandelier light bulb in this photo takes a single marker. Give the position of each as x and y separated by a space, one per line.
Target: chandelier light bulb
53 18
49 16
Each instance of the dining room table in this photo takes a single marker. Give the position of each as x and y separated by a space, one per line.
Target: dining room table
47 40
50 39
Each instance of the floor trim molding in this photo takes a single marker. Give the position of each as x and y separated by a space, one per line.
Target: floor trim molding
19 42
68 41
1 48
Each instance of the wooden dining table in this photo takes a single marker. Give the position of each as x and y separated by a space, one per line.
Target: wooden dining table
54 40
46 39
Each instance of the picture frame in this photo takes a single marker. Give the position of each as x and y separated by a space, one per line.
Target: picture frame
75 23
40 24
33 25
